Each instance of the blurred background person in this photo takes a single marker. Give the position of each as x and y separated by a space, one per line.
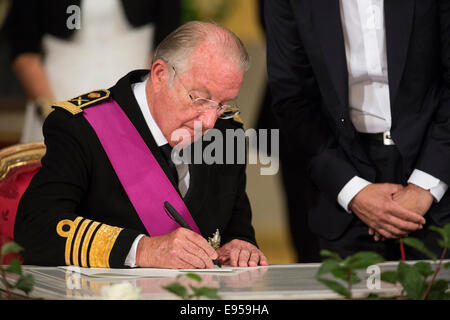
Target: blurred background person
63 48
299 191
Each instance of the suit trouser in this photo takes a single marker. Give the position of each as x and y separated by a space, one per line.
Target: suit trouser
388 165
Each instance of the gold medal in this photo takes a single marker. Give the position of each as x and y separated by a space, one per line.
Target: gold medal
215 240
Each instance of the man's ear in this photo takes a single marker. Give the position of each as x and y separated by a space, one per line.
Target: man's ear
159 74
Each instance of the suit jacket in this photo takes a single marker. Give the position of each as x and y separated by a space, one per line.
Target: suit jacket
309 81
29 20
77 180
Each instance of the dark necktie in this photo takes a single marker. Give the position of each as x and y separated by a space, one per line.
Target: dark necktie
166 151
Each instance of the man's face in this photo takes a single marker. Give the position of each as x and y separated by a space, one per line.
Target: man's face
209 76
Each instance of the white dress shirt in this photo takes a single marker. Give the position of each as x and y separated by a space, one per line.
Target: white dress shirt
368 84
160 139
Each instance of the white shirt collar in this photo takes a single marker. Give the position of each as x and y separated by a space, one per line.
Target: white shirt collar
141 98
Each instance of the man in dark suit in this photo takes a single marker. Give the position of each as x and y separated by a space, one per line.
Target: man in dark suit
373 79
298 188
70 211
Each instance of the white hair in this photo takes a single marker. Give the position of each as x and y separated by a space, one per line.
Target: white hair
178 46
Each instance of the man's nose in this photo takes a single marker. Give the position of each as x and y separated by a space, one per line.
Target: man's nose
209 118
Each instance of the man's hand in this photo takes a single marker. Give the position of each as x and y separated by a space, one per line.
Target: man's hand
239 253
414 198
375 206
179 249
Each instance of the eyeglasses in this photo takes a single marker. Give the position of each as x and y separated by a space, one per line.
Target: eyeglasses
226 111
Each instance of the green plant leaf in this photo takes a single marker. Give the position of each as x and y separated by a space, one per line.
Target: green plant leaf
336 287
438 290
15 267
25 283
346 261
445 234
327 253
10 247
328 266
418 245
364 259
207 292
178 290
424 268
194 276
342 273
411 280
447 265
389 276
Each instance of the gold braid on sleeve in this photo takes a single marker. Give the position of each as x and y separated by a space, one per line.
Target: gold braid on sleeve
89 243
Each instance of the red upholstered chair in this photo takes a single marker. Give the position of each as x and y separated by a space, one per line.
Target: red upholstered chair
18 164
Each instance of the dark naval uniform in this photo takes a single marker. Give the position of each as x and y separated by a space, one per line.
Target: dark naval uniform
75 210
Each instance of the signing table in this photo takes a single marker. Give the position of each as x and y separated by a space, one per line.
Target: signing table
289 281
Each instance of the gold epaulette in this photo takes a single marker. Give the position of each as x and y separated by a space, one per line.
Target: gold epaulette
238 120
76 105
89 243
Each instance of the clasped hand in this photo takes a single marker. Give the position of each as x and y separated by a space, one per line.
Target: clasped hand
390 210
185 249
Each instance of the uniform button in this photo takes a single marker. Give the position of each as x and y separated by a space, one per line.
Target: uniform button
343 121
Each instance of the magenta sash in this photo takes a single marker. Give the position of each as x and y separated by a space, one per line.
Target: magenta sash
145 183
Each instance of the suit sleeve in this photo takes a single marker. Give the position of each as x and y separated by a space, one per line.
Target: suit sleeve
240 226
50 224
435 154
24 27
297 102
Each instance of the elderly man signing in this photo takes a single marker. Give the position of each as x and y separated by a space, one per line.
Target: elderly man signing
100 198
